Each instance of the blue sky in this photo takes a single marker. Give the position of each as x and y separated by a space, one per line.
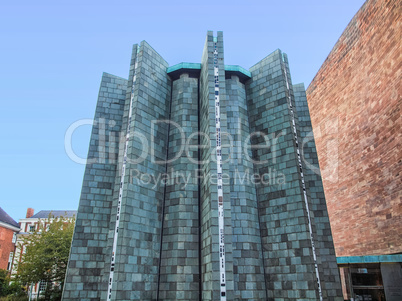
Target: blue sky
53 53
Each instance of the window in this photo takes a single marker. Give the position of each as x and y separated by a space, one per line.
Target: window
32 228
14 238
10 261
42 286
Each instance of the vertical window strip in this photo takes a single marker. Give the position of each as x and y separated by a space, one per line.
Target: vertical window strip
121 189
292 116
222 270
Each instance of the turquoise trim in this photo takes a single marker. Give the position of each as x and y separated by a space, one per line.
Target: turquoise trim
195 66
237 68
369 259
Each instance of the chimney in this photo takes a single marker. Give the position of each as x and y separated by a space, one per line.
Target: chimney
30 212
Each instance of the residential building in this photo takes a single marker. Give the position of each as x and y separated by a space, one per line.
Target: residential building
33 222
8 235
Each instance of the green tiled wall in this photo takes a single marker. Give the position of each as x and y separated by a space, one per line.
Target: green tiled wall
288 258
209 204
329 272
138 245
179 275
168 242
88 255
248 271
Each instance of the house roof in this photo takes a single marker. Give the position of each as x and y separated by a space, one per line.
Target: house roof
55 213
5 218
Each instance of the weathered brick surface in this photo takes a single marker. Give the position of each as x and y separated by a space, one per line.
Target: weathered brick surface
6 246
354 103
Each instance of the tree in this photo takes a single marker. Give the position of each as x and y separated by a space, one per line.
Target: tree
46 254
10 289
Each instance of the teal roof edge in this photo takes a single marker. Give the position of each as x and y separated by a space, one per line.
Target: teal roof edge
237 68
369 259
184 66
197 66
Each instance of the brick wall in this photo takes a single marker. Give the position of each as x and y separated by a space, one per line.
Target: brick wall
354 102
6 246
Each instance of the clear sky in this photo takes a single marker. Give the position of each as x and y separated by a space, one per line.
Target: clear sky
53 53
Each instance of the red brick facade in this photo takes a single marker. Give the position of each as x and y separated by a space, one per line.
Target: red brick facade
355 107
6 246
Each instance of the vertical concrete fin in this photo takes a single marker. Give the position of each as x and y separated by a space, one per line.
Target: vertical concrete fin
283 219
216 236
248 267
179 271
138 244
325 251
88 254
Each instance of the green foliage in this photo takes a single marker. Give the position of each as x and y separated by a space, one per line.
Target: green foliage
10 290
52 293
14 298
3 282
46 253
